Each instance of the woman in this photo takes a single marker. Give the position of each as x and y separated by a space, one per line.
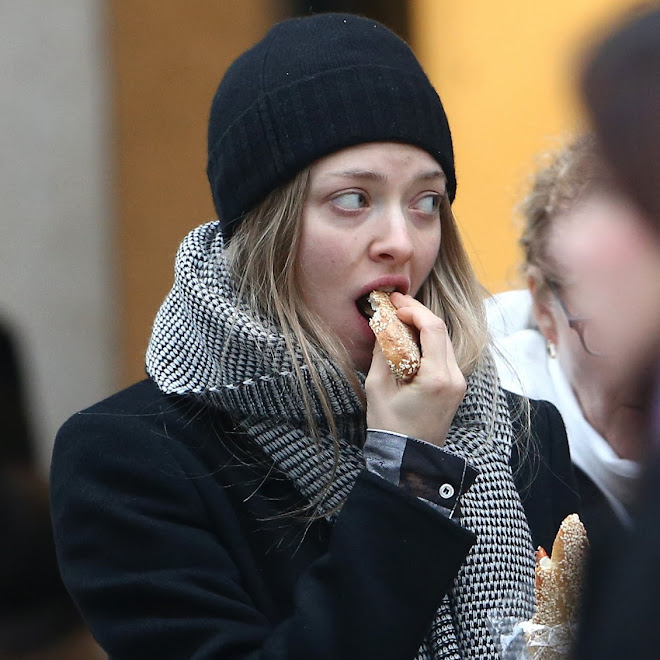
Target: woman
620 84
553 347
256 496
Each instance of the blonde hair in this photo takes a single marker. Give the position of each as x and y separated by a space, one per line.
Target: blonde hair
262 258
571 174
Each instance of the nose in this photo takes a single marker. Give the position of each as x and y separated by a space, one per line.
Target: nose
393 240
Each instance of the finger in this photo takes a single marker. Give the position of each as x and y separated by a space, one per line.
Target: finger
432 330
437 349
400 300
379 371
411 311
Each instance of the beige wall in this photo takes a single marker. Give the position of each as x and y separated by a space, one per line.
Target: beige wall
56 247
505 72
168 59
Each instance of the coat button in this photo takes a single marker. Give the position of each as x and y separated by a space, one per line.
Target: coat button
446 491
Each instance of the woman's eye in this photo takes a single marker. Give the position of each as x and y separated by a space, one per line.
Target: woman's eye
428 203
350 201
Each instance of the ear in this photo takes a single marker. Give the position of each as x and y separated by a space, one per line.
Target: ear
543 311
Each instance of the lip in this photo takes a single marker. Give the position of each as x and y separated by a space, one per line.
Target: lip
400 282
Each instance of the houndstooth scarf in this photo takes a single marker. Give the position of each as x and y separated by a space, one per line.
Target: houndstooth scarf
203 343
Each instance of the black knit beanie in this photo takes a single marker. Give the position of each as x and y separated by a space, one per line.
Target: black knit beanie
310 87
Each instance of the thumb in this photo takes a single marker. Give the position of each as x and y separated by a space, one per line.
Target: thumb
379 364
379 371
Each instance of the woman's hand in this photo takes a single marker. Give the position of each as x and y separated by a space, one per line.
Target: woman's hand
424 407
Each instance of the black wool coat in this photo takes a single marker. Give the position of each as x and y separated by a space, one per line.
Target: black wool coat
171 539
620 609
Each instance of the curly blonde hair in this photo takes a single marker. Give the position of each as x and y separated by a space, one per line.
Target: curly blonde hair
572 173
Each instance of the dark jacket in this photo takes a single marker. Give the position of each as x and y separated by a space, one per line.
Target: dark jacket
170 537
623 582
599 518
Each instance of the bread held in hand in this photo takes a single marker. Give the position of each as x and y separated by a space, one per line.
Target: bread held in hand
395 338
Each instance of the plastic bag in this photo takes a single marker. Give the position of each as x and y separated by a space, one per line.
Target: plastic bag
524 640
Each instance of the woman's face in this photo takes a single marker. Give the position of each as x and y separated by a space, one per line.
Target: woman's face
371 220
617 262
618 299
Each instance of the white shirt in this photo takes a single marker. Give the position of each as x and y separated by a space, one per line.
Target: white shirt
525 368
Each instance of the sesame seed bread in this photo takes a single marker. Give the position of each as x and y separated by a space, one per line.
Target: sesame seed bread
395 338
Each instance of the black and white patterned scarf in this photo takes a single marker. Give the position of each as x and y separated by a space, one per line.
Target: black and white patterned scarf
203 343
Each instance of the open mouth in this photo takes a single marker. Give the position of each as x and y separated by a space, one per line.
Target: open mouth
365 307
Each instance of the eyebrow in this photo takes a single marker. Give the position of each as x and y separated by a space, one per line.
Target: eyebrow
377 176
434 174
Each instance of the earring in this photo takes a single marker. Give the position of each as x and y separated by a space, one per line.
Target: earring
552 351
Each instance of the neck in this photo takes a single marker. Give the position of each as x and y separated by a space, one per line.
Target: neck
622 424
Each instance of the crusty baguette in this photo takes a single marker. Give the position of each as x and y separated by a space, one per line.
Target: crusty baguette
559 577
395 338
559 580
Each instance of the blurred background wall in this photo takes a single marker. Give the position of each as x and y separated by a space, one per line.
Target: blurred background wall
57 222
103 109
505 72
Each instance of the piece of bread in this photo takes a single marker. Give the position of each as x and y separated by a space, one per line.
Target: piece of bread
559 581
559 577
395 338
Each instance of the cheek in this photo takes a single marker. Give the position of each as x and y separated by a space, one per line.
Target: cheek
433 248
319 263
570 352
319 259
427 250
626 292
